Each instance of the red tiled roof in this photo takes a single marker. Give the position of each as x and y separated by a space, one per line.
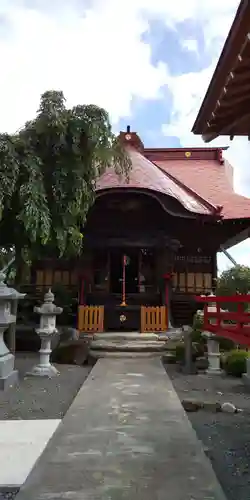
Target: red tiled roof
212 181
146 175
198 178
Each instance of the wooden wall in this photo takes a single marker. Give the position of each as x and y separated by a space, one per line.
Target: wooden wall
52 272
194 273
51 277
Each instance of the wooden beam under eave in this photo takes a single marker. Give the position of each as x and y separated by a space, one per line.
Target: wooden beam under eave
240 77
231 128
242 89
236 99
229 113
225 117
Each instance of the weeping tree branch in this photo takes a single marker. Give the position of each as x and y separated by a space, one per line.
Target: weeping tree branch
48 175
48 172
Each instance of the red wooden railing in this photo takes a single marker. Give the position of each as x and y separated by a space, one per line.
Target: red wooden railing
232 325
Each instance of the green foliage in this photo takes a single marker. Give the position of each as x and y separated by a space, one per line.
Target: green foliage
197 324
200 341
68 300
235 362
225 344
233 281
198 329
180 352
48 175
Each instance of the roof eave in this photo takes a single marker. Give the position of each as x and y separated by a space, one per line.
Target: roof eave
209 137
238 238
235 39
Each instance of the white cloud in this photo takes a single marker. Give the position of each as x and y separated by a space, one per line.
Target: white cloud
188 91
96 58
91 49
190 45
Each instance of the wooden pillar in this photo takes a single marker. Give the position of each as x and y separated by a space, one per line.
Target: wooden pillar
82 294
214 272
167 280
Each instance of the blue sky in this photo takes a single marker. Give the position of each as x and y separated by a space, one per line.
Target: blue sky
148 63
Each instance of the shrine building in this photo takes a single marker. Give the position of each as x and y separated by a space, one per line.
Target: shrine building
150 242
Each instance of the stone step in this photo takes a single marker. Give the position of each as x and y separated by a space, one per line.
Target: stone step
171 334
127 346
123 354
125 336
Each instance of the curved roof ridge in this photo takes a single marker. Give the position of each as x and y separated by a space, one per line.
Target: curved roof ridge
145 174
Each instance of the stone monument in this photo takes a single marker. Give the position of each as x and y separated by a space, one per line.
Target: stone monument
189 366
246 376
8 375
46 331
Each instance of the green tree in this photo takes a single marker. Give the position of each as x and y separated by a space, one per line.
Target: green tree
48 174
234 280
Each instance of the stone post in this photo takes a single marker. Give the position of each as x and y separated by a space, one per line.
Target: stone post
213 353
246 376
8 375
48 312
189 366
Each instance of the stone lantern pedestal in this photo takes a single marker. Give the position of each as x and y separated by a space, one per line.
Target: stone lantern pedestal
46 331
8 375
213 354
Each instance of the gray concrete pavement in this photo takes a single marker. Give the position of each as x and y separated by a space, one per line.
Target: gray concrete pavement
126 436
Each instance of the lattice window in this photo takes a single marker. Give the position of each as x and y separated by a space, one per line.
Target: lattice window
192 282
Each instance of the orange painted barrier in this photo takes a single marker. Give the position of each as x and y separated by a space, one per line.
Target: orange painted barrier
153 319
90 319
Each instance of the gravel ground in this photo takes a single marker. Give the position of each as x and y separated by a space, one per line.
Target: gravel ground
41 398
8 493
226 440
225 437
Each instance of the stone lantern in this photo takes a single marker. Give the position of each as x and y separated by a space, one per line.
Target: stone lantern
48 312
8 376
213 346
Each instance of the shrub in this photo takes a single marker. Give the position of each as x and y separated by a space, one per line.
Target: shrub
180 352
235 363
226 344
198 320
197 337
199 342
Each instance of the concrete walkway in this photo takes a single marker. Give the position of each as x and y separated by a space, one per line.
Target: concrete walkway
126 436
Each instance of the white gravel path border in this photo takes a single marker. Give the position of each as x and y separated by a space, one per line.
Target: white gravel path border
21 444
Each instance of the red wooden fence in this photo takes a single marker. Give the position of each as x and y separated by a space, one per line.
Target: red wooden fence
232 325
